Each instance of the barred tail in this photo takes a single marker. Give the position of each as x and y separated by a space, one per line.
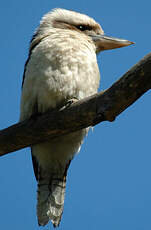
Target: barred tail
51 194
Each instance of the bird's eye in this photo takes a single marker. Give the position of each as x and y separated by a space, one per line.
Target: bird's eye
84 27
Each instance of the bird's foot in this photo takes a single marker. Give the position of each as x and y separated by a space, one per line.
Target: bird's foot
69 103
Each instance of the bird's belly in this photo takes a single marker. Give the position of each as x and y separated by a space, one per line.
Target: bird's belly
57 153
56 90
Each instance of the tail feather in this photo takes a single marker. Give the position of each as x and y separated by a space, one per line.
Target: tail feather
51 201
51 194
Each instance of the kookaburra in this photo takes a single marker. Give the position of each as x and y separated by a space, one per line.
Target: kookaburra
62 65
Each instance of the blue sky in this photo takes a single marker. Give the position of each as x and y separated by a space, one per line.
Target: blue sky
109 182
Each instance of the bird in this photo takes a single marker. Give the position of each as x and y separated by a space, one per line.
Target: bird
61 66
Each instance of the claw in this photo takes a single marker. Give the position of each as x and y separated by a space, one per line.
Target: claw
69 103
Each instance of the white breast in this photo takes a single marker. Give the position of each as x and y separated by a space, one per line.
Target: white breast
60 67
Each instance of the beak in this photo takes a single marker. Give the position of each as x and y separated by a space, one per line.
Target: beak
106 43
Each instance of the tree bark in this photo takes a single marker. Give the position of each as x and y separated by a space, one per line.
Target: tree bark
104 106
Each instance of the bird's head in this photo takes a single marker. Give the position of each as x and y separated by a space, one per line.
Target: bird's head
83 24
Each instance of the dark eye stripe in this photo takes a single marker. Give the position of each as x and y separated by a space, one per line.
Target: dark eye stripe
84 27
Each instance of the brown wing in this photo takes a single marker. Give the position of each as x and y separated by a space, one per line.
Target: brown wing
35 165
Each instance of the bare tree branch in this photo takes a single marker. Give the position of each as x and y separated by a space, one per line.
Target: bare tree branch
88 112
